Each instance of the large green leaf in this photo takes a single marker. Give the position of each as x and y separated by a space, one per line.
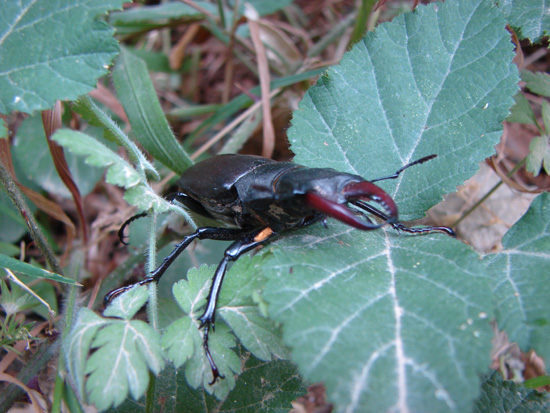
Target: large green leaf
52 49
385 321
388 321
439 80
520 279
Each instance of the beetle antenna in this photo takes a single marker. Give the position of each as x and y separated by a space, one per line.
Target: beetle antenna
121 235
396 174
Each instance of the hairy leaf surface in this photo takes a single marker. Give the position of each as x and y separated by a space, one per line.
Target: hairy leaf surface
395 322
520 279
52 50
436 81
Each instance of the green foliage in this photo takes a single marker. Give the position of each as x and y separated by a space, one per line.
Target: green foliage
529 17
124 352
415 86
13 330
32 271
539 155
51 57
262 387
538 82
382 318
181 341
141 104
142 18
119 172
112 132
539 148
519 278
386 321
35 169
506 396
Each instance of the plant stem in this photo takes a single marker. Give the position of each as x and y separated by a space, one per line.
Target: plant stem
38 237
152 307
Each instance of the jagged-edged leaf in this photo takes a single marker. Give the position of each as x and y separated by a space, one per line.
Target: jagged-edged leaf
146 199
119 171
506 396
178 341
127 305
125 351
236 305
436 81
530 18
149 125
389 321
112 132
51 56
520 279
183 341
32 271
190 295
77 345
386 321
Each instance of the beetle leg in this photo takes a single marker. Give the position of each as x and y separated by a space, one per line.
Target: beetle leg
121 235
219 234
247 242
398 225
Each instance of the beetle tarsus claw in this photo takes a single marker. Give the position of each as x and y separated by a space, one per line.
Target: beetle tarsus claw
215 372
109 297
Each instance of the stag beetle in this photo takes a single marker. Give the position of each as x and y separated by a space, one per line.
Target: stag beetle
263 198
